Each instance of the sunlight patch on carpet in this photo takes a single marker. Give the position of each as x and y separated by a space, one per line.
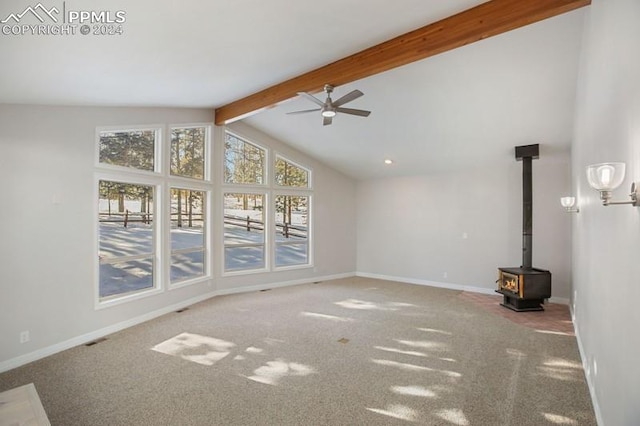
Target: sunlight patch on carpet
195 348
271 341
515 353
397 411
425 344
414 391
562 363
557 333
325 316
403 304
562 374
362 305
454 416
399 351
561 369
558 419
274 371
434 330
413 367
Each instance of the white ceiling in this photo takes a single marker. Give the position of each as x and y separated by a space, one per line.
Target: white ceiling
452 110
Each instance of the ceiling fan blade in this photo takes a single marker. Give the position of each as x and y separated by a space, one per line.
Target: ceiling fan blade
359 112
304 111
348 98
311 98
327 121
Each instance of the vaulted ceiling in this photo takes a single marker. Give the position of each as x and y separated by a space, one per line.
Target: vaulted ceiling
456 109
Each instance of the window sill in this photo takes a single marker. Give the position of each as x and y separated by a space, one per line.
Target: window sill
190 282
102 304
292 267
236 273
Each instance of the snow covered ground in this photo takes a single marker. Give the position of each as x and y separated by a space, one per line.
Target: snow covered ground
187 259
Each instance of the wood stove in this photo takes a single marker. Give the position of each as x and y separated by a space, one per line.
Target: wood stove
525 288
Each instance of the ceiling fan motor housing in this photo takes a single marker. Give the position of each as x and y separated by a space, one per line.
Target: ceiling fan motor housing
328 109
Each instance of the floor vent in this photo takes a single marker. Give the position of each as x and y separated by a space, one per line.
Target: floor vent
179 311
95 342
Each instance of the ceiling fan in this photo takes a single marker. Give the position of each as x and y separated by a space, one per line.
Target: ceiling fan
329 108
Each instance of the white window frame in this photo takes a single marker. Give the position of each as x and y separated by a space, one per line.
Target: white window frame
162 181
279 190
309 171
158 164
299 192
184 182
207 238
158 287
208 152
256 190
265 167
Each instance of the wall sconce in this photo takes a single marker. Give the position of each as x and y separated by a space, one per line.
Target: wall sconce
568 203
606 177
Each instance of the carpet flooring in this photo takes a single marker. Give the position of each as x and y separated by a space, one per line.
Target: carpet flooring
354 351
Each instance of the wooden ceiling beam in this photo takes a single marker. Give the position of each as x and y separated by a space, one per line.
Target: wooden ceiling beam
488 19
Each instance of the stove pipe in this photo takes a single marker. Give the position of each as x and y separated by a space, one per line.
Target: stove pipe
527 153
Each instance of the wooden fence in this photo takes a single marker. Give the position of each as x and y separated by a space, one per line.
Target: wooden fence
247 223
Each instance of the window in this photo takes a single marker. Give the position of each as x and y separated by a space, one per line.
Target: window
292 230
244 231
126 238
244 162
188 220
128 148
290 174
188 152
152 226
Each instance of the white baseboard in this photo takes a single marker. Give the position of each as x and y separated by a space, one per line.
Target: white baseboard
88 337
450 286
587 370
559 300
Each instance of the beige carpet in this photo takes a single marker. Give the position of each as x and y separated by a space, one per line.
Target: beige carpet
347 352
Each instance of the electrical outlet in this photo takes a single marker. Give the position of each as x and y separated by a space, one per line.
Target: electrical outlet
465 236
24 336
445 275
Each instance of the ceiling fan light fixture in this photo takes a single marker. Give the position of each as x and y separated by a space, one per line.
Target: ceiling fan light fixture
330 108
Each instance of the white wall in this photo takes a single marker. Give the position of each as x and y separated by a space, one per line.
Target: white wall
411 228
606 240
47 249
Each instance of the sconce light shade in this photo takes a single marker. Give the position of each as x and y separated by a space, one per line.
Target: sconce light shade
568 202
605 176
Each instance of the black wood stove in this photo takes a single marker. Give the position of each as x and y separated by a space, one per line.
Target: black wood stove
525 288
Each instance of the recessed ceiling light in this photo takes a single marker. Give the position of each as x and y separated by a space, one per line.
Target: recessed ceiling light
387 161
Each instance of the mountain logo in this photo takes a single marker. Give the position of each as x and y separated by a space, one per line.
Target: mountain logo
39 11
